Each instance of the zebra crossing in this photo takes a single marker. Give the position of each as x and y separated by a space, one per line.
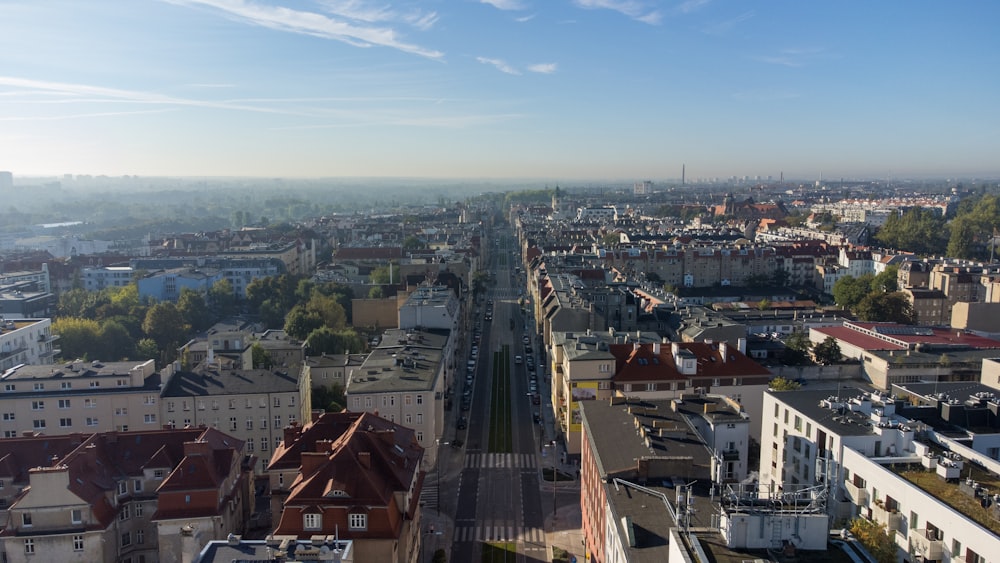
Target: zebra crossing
523 534
505 293
429 494
501 461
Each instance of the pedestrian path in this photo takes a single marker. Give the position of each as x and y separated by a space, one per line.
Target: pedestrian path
505 293
429 494
500 461
501 533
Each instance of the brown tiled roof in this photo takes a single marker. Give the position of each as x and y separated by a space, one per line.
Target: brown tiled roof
638 363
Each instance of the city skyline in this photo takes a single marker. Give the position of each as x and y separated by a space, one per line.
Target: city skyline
504 89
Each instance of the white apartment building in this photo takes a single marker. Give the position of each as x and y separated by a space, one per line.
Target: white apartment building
96 279
26 341
434 307
79 397
252 405
403 380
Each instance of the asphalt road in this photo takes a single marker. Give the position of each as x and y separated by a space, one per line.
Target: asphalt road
498 489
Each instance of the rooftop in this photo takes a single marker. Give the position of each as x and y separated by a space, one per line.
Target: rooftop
404 361
828 408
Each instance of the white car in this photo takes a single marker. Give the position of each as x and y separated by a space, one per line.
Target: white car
518 359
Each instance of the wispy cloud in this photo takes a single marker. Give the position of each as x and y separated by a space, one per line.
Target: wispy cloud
505 4
499 64
635 9
689 6
725 26
523 19
543 68
64 92
361 33
794 57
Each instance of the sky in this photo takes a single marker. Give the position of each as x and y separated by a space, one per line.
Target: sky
558 90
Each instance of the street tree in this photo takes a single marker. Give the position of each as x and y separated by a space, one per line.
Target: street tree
827 352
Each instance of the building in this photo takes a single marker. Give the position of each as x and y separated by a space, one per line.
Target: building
430 307
98 278
53 399
354 475
277 548
168 285
331 369
403 380
107 497
26 341
252 405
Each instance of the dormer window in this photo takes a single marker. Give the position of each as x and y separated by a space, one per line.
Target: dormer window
358 522
312 521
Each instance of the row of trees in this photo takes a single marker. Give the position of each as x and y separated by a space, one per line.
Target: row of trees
968 234
800 351
874 298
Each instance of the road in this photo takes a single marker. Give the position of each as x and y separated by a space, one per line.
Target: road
499 499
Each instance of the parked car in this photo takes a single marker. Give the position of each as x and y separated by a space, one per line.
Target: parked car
536 400
462 423
518 360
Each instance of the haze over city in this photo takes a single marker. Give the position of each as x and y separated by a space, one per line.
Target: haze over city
560 89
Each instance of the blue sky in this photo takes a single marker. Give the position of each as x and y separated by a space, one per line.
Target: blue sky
539 89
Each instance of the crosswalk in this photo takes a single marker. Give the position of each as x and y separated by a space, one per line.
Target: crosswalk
501 461
503 533
505 293
429 494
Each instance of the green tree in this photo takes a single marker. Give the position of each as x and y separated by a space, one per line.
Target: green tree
114 342
848 291
328 341
886 281
611 239
300 322
328 309
260 356
917 230
782 384
77 337
222 299
764 304
886 307
165 325
873 536
411 243
329 398
376 292
147 349
380 275
480 281
194 309
797 348
827 352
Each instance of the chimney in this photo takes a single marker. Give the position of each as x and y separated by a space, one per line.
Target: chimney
722 350
635 346
388 436
290 434
741 345
365 458
310 462
675 348
656 348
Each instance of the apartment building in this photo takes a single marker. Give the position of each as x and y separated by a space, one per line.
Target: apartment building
80 396
403 380
100 277
26 341
252 405
110 497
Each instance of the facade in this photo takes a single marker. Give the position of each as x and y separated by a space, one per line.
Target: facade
430 307
104 497
354 475
168 285
80 397
287 549
331 369
252 405
403 380
98 278
26 341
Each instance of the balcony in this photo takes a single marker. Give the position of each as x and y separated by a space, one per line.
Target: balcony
731 455
922 542
891 519
859 495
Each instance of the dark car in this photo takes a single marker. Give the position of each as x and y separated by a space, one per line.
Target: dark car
462 423
537 418
536 400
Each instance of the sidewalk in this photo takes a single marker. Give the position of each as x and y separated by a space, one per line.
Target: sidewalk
568 534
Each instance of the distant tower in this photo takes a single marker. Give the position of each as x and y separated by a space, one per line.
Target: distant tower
6 180
556 210
683 172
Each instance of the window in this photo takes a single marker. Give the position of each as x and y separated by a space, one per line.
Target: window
201 405
368 402
185 406
914 520
232 423
38 424
138 509
149 418
786 416
124 514
277 421
420 436
249 424
122 487
809 430
126 539
137 485
358 522
291 400
159 473
170 406
408 418
26 519
420 399
10 433
407 400
37 405
65 422
277 403
420 418
78 543
9 387
121 411
91 421
263 444
249 445
149 400
232 403
140 536
956 548
262 402
357 402
263 423
8 416
89 403
291 419
215 404
29 546
313 521
39 387
64 403
249 403
798 423
95 383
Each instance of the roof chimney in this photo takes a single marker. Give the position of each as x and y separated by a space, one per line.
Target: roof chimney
656 348
365 458
310 462
723 348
